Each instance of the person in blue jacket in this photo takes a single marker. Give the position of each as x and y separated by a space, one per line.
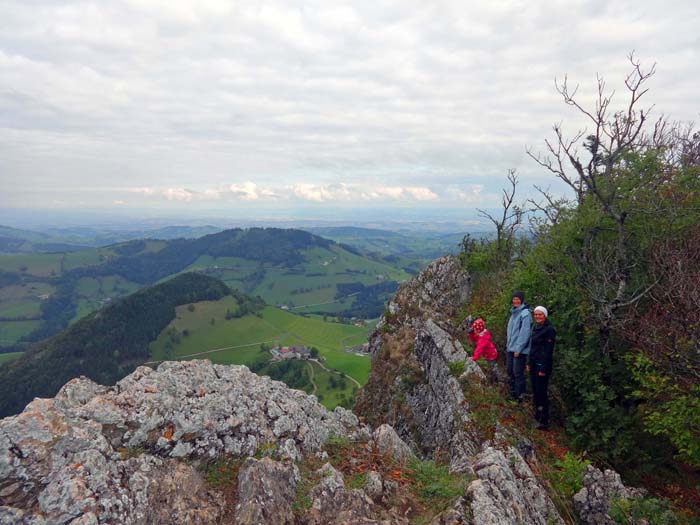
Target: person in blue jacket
517 345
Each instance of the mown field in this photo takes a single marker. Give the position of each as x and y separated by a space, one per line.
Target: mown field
4 358
202 331
310 286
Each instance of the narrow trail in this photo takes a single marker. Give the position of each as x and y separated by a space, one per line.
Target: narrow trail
312 378
336 372
175 358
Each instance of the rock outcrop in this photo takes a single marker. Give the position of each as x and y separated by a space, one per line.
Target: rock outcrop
132 453
600 489
412 388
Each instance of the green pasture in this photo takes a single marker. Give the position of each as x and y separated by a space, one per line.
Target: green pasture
273 326
39 264
93 293
5 358
12 331
73 260
23 300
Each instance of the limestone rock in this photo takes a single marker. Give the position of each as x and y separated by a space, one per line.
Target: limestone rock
507 491
390 444
112 454
600 488
266 491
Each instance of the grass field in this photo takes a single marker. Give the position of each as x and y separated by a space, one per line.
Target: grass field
237 341
11 331
310 286
4 358
92 293
39 264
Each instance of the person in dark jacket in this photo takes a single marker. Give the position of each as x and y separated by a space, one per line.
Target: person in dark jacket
542 342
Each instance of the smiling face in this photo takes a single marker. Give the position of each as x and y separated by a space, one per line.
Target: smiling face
539 317
516 301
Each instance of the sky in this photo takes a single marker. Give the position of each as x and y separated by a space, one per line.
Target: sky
255 106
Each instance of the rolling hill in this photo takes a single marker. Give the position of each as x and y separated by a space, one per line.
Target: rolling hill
41 293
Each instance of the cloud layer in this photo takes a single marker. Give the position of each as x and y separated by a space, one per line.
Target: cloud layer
208 102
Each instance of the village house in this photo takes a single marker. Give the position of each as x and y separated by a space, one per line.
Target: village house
291 352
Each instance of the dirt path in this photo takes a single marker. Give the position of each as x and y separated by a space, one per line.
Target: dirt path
336 372
175 358
312 377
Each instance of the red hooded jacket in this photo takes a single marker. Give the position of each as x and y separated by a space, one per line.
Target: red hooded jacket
484 346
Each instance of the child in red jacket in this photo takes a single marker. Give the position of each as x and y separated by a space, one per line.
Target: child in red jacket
480 336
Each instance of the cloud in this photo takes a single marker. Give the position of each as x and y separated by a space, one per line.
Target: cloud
324 103
179 194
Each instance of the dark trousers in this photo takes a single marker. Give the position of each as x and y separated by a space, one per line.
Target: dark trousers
540 398
515 367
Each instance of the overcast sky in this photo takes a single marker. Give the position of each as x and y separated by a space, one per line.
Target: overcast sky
250 105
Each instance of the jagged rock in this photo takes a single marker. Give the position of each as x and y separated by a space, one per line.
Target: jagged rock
373 485
266 491
390 444
459 514
507 491
332 504
110 452
592 502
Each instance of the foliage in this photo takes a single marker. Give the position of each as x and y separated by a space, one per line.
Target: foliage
567 475
434 484
642 511
674 413
223 472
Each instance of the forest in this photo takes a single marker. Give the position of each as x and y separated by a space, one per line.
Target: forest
617 263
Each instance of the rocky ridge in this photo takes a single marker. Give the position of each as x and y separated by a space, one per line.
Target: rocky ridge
143 451
411 386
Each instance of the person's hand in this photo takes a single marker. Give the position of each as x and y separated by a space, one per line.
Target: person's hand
541 374
517 354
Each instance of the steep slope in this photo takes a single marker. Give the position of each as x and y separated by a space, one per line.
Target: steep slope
105 345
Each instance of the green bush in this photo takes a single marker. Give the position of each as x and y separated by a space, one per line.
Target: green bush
567 476
645 511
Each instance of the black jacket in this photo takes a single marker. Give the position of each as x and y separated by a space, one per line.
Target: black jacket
542 347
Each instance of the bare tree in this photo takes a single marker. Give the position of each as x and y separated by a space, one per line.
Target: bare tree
613 136
508 222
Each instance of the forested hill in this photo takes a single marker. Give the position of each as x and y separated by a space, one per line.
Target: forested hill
269 245
104 346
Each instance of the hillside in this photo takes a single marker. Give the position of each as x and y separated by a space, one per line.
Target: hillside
105 345
217 331
42 293
411 250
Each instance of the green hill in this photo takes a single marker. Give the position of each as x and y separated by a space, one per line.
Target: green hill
105 345
202 330
41 294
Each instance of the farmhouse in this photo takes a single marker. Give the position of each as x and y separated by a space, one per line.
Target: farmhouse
291 352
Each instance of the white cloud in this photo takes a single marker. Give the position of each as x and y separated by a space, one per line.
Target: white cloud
178 194
322 102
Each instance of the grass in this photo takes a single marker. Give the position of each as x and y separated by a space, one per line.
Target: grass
92 293
309 283
39 264
5 358
238 340
12 331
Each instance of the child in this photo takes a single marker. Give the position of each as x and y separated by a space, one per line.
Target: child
480 336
